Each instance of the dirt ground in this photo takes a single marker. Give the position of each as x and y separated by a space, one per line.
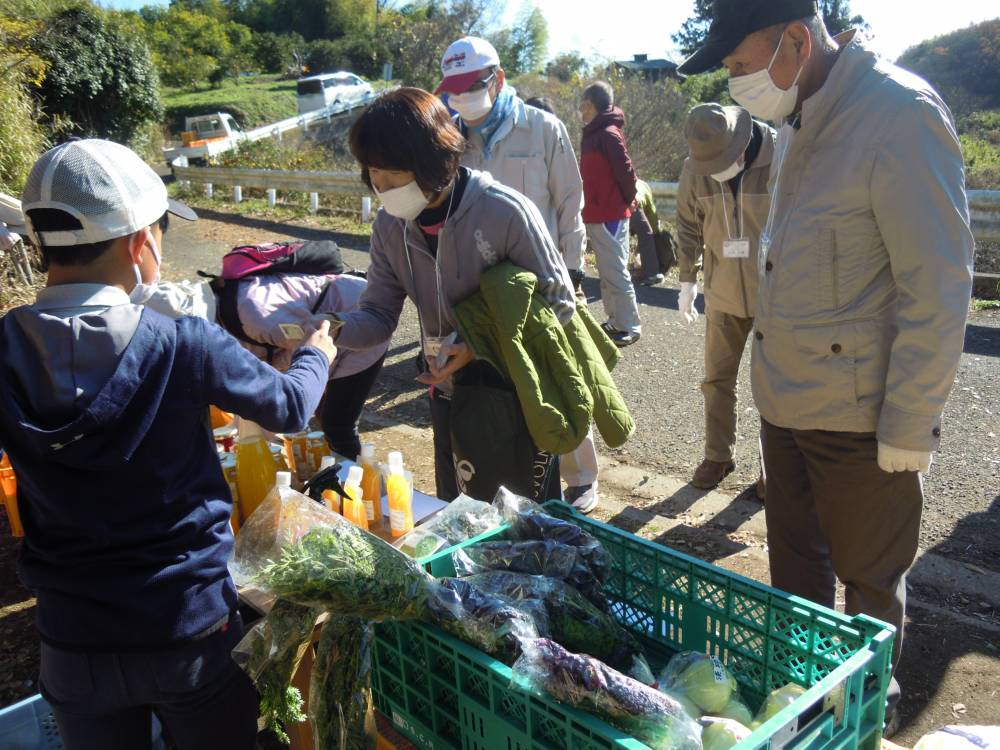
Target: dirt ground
951 660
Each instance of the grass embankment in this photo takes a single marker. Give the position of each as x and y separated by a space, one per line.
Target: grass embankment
253 101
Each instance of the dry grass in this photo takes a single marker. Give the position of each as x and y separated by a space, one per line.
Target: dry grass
14 290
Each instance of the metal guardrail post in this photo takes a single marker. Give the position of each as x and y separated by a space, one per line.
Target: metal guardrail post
209 190
272 197
237 194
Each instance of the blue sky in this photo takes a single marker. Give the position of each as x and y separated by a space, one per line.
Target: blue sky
604 29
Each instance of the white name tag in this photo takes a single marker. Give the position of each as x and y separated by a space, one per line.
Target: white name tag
736 248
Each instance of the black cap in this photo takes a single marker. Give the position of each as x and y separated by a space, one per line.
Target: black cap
734 20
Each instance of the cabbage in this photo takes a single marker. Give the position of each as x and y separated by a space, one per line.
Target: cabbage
722 734
737 711
777 700
689 706
702 679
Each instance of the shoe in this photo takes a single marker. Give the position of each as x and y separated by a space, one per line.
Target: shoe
651 280
891 725
621 338
760 489
711 473
583 498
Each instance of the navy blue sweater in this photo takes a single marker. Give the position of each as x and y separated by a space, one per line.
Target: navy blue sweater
125 509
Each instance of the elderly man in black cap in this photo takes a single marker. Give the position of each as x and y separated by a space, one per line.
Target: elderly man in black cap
865 275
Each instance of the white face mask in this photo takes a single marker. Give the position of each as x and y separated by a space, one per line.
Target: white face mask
140 291
728 174
472 105
404 202
761 97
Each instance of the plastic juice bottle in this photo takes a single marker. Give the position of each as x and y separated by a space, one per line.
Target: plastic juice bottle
255 468
400 496
332 500
371 484
8 493
352 508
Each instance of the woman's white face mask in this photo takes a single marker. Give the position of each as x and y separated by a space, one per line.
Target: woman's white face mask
472 105
759 94
728 174
404 202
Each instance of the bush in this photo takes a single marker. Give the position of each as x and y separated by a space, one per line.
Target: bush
275 53
21 137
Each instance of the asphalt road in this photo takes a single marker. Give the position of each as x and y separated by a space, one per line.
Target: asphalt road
660 375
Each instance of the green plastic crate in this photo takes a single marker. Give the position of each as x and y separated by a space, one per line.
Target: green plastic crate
442 693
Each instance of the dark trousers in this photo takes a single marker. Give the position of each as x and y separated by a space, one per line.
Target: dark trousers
343 403
656 255
833 513
104 701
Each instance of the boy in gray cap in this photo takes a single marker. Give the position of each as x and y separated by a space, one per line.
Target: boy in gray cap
866 271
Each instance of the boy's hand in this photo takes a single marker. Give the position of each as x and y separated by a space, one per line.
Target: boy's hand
459 355
320 338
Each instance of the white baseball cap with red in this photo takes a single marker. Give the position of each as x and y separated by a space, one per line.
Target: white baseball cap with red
463 62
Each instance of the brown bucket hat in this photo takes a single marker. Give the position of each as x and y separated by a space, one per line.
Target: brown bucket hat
716 137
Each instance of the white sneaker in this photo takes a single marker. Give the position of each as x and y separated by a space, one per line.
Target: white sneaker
584 498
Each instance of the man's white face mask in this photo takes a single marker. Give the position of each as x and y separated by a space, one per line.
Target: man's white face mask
728 174
759 94
472 105
140 292
404 202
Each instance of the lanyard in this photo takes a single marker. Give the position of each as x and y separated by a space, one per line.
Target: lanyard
437 266
739 210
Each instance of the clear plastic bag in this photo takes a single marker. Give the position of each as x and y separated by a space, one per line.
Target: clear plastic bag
552 559
584 682
299 550
494 624
340 694
537 524
463 519
702 679
508 504
572 620
270 653
721 734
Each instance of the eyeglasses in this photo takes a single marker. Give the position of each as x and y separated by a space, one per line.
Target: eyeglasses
480 85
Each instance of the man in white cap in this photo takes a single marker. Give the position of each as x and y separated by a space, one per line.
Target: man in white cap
722 205
527 149
104 413
865 277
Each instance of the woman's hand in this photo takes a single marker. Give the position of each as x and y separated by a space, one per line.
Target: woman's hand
459 355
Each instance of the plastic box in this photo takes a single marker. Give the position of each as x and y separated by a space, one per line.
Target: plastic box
442 693
30 725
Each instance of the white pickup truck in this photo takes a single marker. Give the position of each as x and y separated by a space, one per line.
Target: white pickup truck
205 136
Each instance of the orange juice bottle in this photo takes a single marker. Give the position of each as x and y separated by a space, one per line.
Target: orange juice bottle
255 468
332 500
352 508
371 484
400 493
8 493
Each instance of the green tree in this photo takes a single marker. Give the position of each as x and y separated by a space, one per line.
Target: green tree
692 34
522 48
190 47
568 66
98 78
274 53
21 137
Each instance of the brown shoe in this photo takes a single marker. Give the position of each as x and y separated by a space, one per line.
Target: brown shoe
710 473
760 489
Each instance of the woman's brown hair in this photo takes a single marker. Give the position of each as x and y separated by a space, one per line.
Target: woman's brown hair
408 130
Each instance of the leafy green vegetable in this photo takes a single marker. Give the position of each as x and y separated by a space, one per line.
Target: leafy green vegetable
340 698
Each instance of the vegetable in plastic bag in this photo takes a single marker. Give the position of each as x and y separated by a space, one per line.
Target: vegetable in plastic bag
340 695
509 504
701 678
722 734
584 682
421 543
778 699
537 524
270 653
495 624
300 550
960 738
572 620
463 519
737 711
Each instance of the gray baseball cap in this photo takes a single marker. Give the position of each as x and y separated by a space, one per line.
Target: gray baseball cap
104 185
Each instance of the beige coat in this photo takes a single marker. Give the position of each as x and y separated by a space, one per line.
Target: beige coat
708 215
533 155
866 269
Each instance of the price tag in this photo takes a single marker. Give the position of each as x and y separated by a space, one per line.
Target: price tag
739 248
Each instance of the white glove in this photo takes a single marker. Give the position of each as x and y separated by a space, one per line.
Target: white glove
689 293
7 239
896 459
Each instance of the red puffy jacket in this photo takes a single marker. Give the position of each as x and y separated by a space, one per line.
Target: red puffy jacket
608 177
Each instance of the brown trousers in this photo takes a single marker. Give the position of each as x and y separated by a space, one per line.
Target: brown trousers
725 339
833 513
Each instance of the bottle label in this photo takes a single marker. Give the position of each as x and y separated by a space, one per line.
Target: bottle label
397 518
370 510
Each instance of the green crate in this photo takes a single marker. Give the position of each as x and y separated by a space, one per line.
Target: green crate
442 693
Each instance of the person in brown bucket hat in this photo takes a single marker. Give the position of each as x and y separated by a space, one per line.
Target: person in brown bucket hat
722 205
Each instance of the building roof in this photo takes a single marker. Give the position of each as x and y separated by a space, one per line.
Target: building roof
643 63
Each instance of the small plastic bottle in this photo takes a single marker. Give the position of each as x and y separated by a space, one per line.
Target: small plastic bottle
352 507
255 468
332 500
400 494
371 484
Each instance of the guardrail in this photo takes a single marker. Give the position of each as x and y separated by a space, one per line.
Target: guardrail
984 205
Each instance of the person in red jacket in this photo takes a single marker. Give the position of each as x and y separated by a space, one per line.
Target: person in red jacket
609 191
